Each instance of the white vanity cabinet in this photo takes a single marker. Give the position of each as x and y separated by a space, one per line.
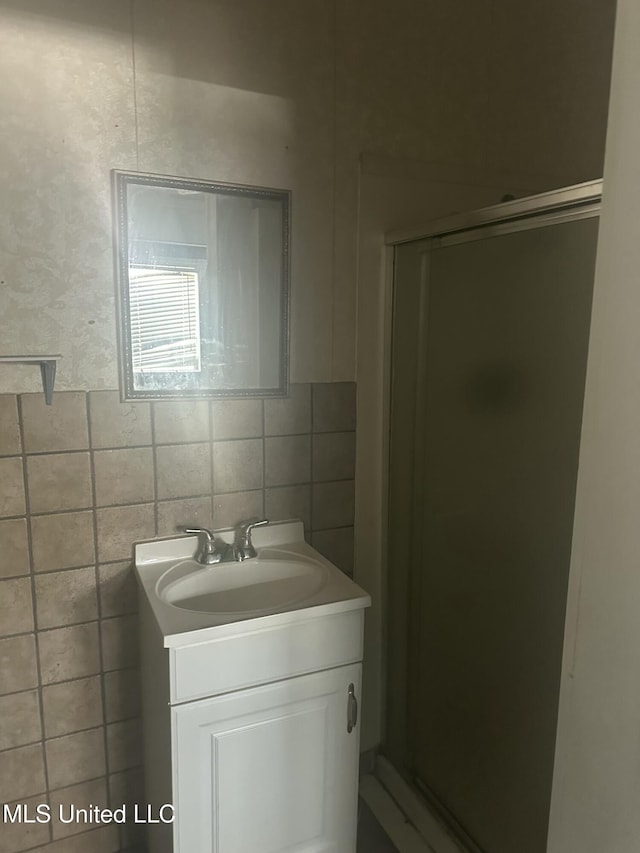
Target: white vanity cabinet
250 724
272 768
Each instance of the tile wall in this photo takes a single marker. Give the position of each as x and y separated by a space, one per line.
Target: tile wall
80 481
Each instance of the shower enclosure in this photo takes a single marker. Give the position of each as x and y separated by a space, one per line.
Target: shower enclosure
491 315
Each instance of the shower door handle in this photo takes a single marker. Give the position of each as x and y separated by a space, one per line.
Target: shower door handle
352 708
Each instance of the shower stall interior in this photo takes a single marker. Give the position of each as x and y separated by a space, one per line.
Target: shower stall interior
490 330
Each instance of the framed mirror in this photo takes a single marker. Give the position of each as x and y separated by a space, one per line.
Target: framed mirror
202 286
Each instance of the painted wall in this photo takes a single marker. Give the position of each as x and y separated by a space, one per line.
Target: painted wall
597 777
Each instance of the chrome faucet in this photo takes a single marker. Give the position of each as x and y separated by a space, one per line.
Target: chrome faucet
211 551
244 549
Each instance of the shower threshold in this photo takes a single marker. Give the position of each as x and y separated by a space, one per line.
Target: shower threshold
404 815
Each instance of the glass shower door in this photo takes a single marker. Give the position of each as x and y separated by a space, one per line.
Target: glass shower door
489 358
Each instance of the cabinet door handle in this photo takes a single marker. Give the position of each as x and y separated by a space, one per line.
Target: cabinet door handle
352 708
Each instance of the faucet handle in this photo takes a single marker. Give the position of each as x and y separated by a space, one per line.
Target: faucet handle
245 545
199 530
207 553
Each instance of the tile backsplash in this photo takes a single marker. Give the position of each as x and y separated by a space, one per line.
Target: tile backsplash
80 481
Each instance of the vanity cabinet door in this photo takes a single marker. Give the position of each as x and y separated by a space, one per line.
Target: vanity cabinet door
270 769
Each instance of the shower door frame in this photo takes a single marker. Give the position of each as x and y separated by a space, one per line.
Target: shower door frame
555 207
558 205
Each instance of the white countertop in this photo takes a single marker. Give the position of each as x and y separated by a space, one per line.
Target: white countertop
185 627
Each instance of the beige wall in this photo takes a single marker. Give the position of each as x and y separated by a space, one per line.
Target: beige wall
284 93
239 92
597 776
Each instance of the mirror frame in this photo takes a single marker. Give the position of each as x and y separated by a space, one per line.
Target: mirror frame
120 182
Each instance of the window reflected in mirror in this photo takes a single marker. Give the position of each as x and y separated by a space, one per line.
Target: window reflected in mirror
202 287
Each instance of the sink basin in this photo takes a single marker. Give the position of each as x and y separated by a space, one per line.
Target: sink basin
272 581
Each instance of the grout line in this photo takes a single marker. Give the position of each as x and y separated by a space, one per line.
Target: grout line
263 417
335 527
101 674
46 572
14 517
89 622
144 445
34 601
28 797
30 633
154 466
86 782
311 485
49 512
132 667
211 464
65 451
65 625
55 512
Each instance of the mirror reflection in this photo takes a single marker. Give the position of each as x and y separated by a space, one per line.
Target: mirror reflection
203 287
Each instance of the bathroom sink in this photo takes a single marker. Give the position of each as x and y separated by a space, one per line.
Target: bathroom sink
272 581
287 583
